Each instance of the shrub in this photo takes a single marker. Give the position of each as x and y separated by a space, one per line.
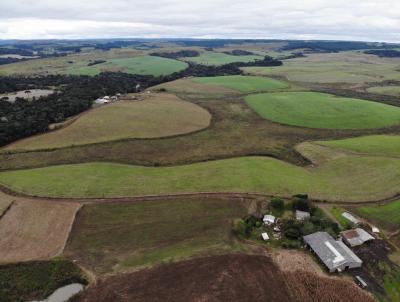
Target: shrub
277 203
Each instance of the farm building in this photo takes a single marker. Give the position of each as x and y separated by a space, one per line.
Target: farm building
269 219
302 215
356 237
333 253
350 217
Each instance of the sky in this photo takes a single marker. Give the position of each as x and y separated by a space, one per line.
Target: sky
362 20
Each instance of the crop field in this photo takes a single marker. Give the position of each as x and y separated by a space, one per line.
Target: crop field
112 237
387 90
157 115
243 83
217 279
343 67
216 58
383 145
376 178
35 230
318 110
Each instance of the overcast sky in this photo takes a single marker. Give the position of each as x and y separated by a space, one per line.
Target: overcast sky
369 20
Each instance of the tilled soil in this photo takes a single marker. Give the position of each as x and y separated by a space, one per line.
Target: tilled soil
234 277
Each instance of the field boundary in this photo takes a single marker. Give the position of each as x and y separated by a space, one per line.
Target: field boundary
144 198
8 208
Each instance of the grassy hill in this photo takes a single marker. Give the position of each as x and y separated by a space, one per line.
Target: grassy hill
375 178
156 116
319 110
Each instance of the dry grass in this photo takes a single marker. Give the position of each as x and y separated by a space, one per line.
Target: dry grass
35 230
304 286
158 115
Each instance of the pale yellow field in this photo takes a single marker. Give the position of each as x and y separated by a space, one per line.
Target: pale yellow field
157 115
35 230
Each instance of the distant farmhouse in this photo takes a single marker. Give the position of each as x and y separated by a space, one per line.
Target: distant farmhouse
356 237
107 99
333 253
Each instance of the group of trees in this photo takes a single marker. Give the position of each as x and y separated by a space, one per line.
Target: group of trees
239 52
384 53
292 230
177 54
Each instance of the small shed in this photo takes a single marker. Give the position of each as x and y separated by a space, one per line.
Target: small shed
302 215
356 237
360 281
269 219
375 230
265 236
350 217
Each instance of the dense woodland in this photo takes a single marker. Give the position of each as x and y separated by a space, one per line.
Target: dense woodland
176 54
384 53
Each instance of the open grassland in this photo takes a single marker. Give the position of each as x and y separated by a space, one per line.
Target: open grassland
124 60
157 115
232 277
243 83
236 130
62 65
144 65
109 237
35 230
36 280
382 145
319 110
387 90
343 67
386 216
375 178
217 58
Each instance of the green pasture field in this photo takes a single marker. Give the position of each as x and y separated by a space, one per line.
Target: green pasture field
219 58
349 179
319 110
243 83
383 145
124 60
386 216
144 65
156 116
387 90
343 67
112 237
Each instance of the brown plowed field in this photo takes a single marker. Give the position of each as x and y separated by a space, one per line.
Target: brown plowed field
234 277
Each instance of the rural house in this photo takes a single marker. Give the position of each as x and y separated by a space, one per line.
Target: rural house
269 219
333 253
356 237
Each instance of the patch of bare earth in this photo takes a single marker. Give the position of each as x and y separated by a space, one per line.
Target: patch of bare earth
234 277
35 230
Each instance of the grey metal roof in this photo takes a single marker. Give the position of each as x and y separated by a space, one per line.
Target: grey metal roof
332 253
357 236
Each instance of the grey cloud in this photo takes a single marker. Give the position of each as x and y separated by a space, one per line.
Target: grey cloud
324 19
